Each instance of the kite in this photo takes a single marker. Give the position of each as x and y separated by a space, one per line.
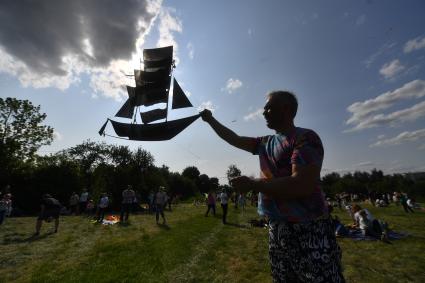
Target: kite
152 86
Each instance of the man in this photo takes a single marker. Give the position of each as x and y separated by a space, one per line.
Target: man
210 203
160 202
224 199
102 206
83 200
5 204
302 243
128 196
73 203
50 209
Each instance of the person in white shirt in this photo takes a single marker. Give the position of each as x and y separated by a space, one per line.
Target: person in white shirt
102 206
412 203
73 203
242 201
368 224
83 200
224 198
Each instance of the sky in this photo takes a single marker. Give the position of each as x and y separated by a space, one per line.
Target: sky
357 68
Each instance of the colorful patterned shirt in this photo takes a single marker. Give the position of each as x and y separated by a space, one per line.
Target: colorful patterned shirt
277 154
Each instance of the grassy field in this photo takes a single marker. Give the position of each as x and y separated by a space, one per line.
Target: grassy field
191 248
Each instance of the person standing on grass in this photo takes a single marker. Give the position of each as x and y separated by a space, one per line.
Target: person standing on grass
242 201
102 206
224 200
5 204
128 196
83 201
210 203
50 209
160 202
73 203
290 194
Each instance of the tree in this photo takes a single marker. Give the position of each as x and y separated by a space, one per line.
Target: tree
232 172
191 172
203 183
21 129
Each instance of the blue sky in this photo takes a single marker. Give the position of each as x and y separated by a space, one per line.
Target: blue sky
357 68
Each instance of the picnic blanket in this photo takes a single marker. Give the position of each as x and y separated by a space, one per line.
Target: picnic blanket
356 235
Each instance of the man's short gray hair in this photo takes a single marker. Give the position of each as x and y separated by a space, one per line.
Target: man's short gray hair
288 97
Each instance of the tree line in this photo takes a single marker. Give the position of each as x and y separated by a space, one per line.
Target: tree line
373 182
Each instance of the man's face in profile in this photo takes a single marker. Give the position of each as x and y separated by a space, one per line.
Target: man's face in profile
274 112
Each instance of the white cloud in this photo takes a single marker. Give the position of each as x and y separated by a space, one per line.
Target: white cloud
401 138
363 116
386 48
414 44
254 115
395 118
78 42
168 24
232 85
57 136
389 70
191 50
360 20
364 164
207 105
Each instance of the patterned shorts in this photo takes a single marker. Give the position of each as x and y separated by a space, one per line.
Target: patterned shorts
304 252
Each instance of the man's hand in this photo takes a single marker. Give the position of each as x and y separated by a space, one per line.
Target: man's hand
206 115
243 184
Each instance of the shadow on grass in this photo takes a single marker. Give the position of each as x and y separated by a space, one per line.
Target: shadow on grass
124 224
244 226
163 226
28 239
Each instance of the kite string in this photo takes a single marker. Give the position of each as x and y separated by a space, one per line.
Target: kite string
188 151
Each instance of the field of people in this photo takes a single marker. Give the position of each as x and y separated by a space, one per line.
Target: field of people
191 248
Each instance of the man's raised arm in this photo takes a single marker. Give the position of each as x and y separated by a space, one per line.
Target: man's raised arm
245 143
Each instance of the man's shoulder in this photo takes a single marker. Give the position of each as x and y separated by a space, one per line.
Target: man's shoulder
301 132
306 136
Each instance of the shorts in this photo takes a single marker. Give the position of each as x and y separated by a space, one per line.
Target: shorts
50 213
304 252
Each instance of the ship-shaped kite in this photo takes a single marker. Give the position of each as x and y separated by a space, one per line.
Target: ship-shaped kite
153 85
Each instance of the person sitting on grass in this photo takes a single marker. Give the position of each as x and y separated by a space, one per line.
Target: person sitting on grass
368 224
50 209
413 204
340 229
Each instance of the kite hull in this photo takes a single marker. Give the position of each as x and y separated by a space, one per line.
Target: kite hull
153 132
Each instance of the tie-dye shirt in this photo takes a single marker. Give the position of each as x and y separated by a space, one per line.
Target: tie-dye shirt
277 155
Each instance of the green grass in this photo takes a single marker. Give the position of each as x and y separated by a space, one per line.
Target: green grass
192 248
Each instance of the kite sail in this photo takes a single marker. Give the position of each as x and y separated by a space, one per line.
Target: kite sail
152 87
